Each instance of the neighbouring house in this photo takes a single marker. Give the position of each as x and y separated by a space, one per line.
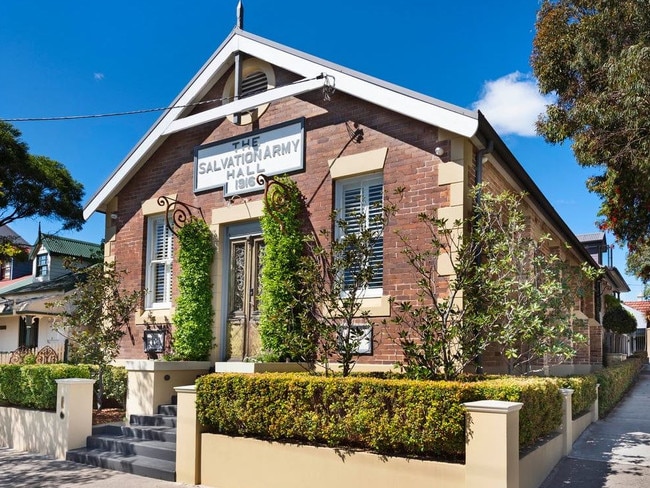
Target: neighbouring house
611 283
14 267
641 311
259 107
26 318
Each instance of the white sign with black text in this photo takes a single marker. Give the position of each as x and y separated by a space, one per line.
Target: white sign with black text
235 163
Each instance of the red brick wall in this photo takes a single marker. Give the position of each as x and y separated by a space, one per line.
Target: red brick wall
410 163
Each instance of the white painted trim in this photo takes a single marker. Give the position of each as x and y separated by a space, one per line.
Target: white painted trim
375 91
243 105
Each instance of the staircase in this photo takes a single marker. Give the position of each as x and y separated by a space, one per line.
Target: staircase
146 447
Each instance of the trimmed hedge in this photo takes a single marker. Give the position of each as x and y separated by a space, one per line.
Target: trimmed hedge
584 392
389 416
615 381
34 385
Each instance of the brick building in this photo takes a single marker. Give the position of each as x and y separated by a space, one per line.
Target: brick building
337 133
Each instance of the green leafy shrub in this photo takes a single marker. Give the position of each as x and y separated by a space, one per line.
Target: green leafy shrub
115 385
194 313
284 315
34 386
10 383
619 320
387 416
615 381
584 392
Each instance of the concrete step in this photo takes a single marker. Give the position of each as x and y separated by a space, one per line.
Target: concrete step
146 446
126 463
171 409
158 419
150 432
165 451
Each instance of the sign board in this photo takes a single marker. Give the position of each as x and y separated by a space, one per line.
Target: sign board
233 164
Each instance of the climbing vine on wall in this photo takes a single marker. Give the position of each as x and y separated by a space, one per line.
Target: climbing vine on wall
193 318
284 319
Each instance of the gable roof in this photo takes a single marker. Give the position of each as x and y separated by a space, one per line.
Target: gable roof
317 73
598 237
65 246
642 306
7 232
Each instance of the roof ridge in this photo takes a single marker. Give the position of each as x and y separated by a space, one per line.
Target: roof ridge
70 239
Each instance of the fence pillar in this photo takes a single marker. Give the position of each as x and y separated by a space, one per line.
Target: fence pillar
74 411
567 421
492 451
188 437
595 406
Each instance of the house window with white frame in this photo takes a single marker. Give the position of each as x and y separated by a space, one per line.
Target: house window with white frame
41 265
159 263
359 201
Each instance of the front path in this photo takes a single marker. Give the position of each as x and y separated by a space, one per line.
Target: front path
615 451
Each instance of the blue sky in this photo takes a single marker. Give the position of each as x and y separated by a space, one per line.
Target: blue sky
75 58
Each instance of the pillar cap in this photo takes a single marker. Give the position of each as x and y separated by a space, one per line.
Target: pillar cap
75 381
493 406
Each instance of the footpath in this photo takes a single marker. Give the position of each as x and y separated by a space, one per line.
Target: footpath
615 451
28 470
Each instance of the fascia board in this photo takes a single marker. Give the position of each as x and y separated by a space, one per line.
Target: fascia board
365 88
243 105
156 134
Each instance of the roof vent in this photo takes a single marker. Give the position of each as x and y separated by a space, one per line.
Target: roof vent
254 83
257 77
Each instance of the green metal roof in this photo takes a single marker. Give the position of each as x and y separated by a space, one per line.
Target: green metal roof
67 247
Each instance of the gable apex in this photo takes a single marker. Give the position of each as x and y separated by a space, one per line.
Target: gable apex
315 72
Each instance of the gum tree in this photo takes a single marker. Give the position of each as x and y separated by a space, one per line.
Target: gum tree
507 290
594 56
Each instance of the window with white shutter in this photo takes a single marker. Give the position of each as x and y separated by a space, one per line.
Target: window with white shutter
159 263
360 204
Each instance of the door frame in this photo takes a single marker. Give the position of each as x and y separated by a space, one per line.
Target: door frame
234 231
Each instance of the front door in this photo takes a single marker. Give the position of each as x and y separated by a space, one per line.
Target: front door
243 296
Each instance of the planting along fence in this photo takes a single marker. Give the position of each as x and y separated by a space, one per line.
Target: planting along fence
494 428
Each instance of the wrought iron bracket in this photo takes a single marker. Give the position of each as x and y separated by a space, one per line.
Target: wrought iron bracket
177 213
276 200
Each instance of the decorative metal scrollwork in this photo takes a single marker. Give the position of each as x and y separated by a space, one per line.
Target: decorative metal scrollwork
177 213
277 199
47 355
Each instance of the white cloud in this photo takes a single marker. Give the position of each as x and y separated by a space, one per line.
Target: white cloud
98 76
512 104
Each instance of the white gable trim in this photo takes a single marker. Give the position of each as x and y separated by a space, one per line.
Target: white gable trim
394 98
244 104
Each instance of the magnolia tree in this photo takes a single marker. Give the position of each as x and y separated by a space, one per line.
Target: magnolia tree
313 284
95 317
338 270
507 290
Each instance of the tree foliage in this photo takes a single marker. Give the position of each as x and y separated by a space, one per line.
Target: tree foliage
337 271
507 289
528 289
617 319
193 318
96 316
35 186
594 55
